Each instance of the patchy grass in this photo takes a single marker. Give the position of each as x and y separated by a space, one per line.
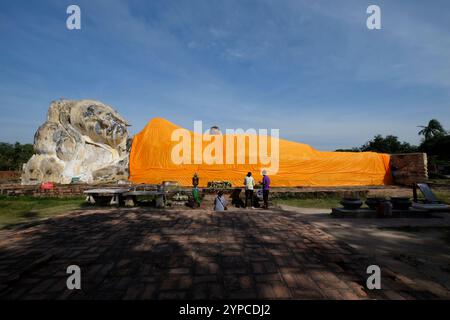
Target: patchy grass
14 210
333 202
440 181
321 203
443 195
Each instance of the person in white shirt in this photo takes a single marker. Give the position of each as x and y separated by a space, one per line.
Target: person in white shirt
220 204
249 184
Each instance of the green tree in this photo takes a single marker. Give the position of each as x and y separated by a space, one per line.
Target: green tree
355 149
437 149
388 144
12 156
434 128
437 146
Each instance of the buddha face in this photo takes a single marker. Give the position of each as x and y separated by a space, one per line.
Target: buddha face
101 123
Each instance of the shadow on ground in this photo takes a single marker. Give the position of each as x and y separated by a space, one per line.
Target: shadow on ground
143 253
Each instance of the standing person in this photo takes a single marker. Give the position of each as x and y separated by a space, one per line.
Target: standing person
196 197
220 204
249 184
195 180
266 188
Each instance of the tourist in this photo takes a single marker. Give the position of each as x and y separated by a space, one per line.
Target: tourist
195 180
236 199
266 188
249 184
196 197
220 204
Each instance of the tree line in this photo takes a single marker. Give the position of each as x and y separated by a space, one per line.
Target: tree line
435 142
12 156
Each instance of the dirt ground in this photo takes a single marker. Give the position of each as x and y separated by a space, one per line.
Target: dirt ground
417 249
281 253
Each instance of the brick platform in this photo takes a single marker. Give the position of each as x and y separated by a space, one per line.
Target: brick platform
140 253
76 190
59 191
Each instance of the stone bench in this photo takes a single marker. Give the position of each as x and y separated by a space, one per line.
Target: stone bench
97 195
131 197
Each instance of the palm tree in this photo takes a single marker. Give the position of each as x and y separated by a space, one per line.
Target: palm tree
433 129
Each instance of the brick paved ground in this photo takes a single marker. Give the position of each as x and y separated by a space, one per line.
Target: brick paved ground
143 254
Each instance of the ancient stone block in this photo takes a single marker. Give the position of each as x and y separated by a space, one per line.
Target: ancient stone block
409 168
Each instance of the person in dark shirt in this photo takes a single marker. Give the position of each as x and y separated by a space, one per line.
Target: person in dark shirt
195 180
266 188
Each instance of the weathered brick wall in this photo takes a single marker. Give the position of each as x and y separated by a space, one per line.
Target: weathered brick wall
76 190
409 168
9 176
61 191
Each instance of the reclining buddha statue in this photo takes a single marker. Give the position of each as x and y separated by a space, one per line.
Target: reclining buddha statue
87 141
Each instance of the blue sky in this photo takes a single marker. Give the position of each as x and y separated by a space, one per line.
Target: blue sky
310 68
